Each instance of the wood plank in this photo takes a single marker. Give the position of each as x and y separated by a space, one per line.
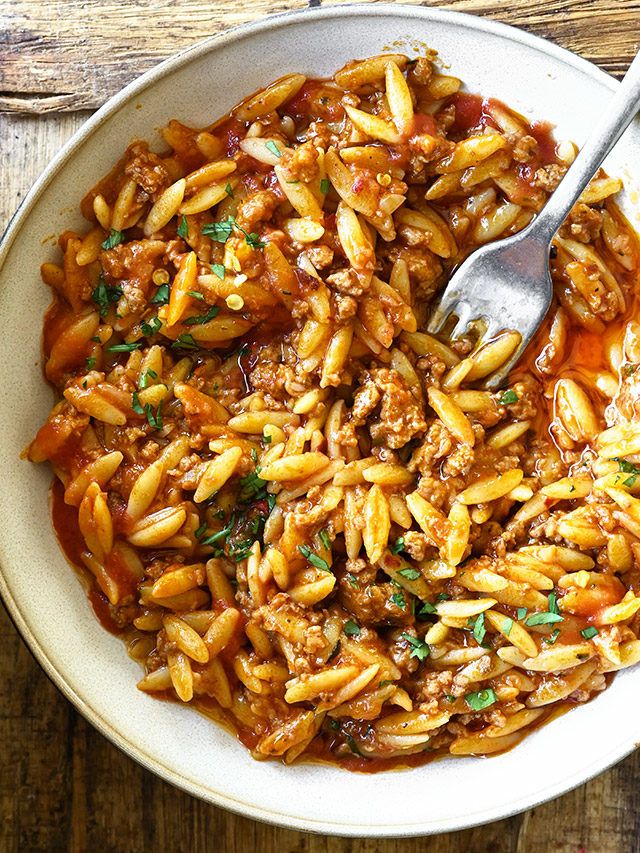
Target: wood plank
103 46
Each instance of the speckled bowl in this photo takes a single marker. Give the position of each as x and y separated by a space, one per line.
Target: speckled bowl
43 594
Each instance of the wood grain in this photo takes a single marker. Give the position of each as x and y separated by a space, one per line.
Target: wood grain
67 55
63 786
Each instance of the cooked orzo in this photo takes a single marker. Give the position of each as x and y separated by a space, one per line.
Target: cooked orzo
304 514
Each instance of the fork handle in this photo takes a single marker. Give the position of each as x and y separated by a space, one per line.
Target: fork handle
610 127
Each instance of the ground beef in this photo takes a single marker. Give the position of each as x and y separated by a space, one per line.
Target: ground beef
147 170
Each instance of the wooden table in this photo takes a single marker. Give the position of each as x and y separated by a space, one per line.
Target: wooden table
62 785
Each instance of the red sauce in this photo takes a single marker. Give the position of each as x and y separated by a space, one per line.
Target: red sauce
471 112
316 100
424 125
231 132
64 519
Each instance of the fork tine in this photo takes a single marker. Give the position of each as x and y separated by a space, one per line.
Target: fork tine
447 304
464 315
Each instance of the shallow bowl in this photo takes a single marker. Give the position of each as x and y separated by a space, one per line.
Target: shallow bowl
43 594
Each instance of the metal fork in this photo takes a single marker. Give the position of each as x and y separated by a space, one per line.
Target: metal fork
506 285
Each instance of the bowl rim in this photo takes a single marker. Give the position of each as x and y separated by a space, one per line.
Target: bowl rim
112 105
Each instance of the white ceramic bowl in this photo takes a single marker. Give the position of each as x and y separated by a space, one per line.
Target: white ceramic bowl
43 594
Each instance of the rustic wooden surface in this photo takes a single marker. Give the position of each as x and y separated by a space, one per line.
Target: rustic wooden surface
62 785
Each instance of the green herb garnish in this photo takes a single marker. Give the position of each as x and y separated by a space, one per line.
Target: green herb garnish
508 397
114 239
397 546
136 405
543 619
90 362
162 296
273 148
507 625
104 295
409 573
313 558
324 538
144 379
420 649
125 347
185 341
351 628
325 186
229 190
481 699
479 629
183 228
589 632
151 328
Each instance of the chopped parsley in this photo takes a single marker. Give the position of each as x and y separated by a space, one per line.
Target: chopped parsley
195 294
589 632
154 418
522 612
553 602
144 379
543 619
266 439
508 397
325 186
185 341
420 649
201 530
221 231
229 190
213 311
351 628
353 746
104 295
221 534
481 699
426 610
352 580
218 269
409 573
183 228
507 625
313 558
398 599
553 636
114 239
627 468
479 629
628 369
273 148
397 546
324 538
162 296
150 329
90 363
136 405
125 347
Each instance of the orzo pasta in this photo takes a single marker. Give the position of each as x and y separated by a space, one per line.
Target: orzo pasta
303 513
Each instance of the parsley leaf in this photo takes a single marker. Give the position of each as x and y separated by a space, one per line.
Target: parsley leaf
185 341
218 269
352 580
324 538
144 379
229 190
420 649
543 619
104 295
195 294
553 603
325 186
507 625
627 467
481 699
553 636
125 347
149 329
183 228
629 369
522 612
427 609
162 296
479 629
136 405
213 311
398 599
409 573
589 632
273 148
90 362
313 558
397 546
351 628
508 397
114 239
154 418
219 231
